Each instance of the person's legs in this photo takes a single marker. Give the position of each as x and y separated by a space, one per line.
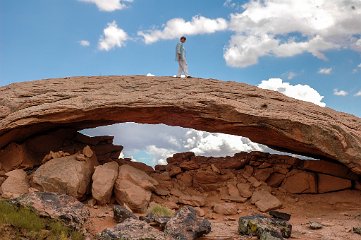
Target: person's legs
185 68
180 68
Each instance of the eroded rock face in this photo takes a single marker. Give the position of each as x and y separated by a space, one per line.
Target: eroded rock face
264 116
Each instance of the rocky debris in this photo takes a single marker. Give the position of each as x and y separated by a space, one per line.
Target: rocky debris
225 208
264 227
62 207
122 213
103 181
65 175
134 188
133 229
265 201
280 215
186 225
357 230
53 155
15 185
300 127
315 225
300 182
327 183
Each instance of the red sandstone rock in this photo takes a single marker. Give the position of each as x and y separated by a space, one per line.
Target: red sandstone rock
275 179
134 188
103 182
327 183
330 168
65 175
189 165
265 201
263 174
300 182
244 190
214 106
15 185
225 208
15 156
173 170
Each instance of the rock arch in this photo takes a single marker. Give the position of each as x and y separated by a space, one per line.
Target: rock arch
264 116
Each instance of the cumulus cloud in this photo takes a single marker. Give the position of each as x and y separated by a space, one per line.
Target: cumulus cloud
312 27
356 69
84 43
150 75
109 5
341 93
176 27
112 37
325 71
301 92
358 94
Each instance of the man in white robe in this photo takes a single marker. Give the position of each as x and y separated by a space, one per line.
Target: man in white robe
181 58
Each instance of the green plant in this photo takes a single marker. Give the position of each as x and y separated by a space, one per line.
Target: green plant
160 211
22 218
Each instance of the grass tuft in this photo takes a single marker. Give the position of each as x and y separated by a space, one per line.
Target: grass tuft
160 211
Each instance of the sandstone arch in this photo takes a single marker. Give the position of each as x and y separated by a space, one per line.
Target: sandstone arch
264 116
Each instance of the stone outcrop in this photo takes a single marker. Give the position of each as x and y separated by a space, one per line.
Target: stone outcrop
134 188
264 116
103 182
66 175
57 206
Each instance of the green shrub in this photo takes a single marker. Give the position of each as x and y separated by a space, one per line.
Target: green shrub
160 211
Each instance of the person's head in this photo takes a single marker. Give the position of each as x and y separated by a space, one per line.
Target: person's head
183 39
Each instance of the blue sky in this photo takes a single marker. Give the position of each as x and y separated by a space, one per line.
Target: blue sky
305 49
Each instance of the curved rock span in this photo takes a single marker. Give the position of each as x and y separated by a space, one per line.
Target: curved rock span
264 116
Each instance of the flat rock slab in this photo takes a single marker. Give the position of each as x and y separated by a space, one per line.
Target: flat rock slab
265 116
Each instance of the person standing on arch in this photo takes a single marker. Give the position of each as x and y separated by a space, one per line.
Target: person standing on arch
181 58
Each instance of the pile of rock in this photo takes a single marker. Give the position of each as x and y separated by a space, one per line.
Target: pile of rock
36 150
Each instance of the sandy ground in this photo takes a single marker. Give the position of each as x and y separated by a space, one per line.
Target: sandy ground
339 212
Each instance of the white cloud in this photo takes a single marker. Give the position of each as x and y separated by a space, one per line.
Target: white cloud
291 75
150 75
356 69
176 27
339 92
84 43
112 37
109 5
301 92
325 71
312 27
358 94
